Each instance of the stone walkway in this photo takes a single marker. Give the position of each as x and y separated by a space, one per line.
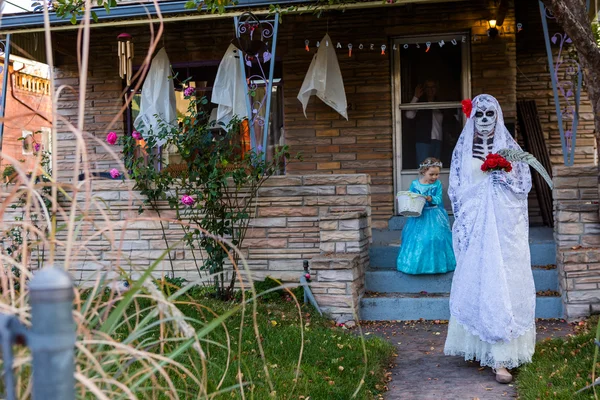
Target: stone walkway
422 372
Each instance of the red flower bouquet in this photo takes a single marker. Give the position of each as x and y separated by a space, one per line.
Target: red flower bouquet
495 162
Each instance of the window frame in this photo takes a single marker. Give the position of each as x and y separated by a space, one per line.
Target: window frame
24 134
398 107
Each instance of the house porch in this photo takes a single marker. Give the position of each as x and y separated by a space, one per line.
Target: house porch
324 208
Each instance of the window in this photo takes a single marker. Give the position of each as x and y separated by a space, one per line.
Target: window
202 76
27 142
433 79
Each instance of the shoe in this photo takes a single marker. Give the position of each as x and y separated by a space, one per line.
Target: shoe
503 376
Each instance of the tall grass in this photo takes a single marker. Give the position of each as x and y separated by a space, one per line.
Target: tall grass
133 343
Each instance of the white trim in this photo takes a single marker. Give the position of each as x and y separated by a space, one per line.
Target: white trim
24 134
400 175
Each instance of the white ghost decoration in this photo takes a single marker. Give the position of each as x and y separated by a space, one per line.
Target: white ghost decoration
230 90
324 79
157 99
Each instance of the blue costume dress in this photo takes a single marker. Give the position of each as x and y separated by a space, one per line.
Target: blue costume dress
427 240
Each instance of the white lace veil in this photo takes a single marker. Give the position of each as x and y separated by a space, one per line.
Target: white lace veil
493 294
461 166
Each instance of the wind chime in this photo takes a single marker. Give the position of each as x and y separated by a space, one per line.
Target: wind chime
125 53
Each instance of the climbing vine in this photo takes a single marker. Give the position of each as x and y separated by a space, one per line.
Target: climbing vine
213 187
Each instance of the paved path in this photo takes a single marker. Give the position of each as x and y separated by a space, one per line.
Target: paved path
423 372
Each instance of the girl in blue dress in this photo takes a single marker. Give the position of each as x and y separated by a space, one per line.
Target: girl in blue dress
427 240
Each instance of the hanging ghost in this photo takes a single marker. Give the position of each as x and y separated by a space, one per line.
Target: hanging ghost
324 79
230 89
158 98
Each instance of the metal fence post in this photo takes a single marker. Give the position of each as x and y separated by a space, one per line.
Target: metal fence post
52 335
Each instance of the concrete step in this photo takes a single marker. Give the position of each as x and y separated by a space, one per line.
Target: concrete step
386 245
391 281
542 254
408 307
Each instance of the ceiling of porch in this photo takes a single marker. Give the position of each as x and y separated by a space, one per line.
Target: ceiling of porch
141 12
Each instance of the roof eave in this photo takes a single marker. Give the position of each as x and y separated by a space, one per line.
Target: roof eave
16 22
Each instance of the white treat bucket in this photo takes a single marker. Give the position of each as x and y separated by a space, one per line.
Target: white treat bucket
410 204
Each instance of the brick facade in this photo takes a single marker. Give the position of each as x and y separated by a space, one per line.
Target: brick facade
328 143
29 110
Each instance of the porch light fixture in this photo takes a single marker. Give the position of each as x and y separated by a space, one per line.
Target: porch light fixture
492 31
125 53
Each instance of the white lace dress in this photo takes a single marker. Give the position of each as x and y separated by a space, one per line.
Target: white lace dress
467 342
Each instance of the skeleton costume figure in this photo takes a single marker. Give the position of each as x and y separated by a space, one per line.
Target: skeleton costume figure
492 301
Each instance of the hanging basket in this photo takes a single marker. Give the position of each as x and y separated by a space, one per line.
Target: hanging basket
410 204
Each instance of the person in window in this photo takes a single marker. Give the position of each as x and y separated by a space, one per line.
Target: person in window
428 123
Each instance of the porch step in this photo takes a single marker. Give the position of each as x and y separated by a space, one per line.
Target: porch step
408 307
398 296
391 281
386 244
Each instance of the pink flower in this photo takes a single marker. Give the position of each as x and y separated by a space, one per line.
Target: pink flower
111 138
37 147
115 173
189 91
136 135
187 200
307 276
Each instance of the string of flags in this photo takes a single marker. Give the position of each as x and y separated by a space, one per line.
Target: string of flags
383 48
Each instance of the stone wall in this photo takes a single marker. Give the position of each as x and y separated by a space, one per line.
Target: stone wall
329 144
296 218
339 271
577 235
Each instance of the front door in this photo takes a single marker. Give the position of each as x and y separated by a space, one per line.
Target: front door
431 77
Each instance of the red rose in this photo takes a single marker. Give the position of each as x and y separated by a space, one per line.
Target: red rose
467 106
495 162
492 163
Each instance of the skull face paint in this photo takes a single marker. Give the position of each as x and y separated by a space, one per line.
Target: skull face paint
485 116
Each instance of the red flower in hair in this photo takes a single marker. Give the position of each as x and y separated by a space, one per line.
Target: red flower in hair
467 106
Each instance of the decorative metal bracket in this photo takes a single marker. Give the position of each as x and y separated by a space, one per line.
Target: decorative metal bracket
251 34
5 45
569 91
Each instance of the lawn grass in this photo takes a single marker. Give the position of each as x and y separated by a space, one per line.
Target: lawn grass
333 360
561 367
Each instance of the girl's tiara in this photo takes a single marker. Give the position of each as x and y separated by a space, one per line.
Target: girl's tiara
430 164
